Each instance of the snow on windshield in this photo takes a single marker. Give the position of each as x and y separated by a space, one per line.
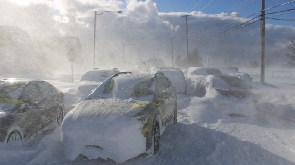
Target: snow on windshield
125 86
9 94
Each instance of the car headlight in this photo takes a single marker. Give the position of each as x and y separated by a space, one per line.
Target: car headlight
143 118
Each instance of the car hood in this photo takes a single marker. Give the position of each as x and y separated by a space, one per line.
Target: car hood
106 107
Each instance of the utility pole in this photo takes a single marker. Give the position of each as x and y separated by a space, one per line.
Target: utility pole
262 43
186 37
172 50
94 43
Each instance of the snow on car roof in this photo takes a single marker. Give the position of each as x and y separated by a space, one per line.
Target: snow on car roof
98 75
203 71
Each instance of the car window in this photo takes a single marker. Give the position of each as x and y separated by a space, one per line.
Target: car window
234 82
213 71
109 86
143 88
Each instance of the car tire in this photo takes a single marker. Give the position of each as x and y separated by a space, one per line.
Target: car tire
175 114
14 136
59 115
156 137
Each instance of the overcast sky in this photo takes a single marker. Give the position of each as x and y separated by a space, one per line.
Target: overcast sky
146 28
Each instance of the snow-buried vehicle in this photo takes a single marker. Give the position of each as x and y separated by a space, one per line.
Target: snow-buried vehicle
29 109
127 112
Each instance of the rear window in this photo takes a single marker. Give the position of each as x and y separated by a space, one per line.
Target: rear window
227 82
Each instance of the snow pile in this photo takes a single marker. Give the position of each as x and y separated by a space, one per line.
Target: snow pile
275 104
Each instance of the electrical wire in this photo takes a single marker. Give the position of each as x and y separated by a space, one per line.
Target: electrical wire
282 11
229 31
195 5
245 3
280 19
206 5
258 15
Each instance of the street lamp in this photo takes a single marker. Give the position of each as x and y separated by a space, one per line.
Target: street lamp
124 50
94 43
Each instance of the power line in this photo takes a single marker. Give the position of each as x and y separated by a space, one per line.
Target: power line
282 4
206 5
245 3
190 4
282 11
195 5
257 16
280 19
242 25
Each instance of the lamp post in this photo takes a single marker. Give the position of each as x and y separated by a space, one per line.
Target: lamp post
124 51
94 43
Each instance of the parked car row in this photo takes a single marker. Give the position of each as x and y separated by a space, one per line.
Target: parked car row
117 110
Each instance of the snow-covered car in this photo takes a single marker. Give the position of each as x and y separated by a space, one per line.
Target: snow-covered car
195 75
92 79
127 112
176 77
29 109
230 94
230 86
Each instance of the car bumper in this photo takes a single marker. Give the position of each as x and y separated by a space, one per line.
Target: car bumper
114 137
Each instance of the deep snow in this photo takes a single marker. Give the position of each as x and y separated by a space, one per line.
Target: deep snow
204 135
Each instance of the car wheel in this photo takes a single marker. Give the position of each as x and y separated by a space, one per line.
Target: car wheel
156 137
175 114
14 136
59 115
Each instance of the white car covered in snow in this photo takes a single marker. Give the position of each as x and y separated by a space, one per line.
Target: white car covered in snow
122 118
175 75
230 92
92 79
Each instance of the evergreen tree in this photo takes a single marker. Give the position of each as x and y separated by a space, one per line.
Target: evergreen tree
291 53
194 59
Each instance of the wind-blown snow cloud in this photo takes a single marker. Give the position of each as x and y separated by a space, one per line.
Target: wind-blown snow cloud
143 30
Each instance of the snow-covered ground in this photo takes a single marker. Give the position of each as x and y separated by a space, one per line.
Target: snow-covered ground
204 135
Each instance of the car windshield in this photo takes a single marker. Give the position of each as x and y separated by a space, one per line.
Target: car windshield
125 86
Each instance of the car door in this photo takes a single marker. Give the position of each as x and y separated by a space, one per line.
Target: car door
164 93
